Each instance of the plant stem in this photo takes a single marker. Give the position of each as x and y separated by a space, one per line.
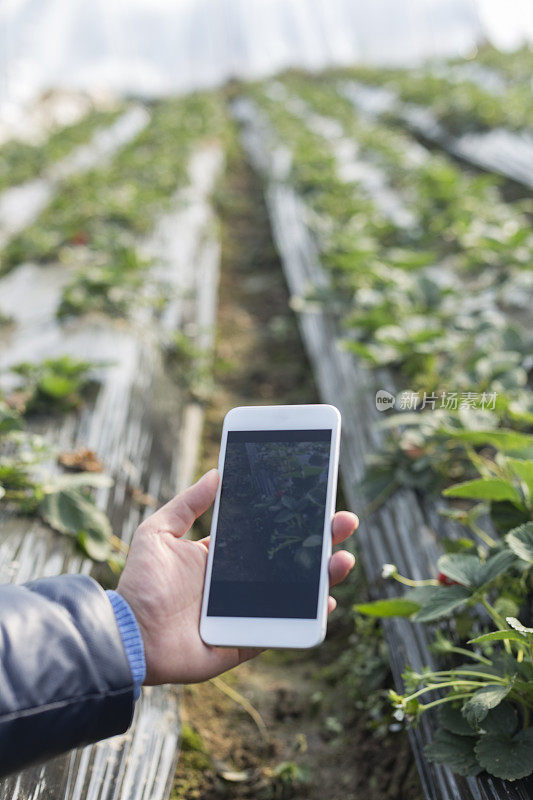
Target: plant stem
409 582
498 621
446 674
461 651
441 700
481 534
242 701
445 685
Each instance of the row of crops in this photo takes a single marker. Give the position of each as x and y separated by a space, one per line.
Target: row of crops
107 304
423 267
429 275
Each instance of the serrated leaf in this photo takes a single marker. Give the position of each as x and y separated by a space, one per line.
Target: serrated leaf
461 567
496 565
456 751
469 570
443 603
452 720
69 511
393 607
501 720
507 441
499 636
496 489
520 541
478 706
517 626
524 470
422 594
506 757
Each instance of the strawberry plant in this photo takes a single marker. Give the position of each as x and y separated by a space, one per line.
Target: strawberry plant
54 384
461 106
433 302
29 486
21 161
95 222
485 701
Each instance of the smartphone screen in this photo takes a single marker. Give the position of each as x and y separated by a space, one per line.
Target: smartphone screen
269 537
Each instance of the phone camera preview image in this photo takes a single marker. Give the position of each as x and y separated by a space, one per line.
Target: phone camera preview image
269 538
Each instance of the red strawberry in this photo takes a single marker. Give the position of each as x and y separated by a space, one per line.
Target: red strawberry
80 238
442 578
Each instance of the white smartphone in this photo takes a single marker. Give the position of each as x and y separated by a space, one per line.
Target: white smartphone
266 582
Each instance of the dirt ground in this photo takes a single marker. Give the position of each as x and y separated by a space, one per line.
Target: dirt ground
277 727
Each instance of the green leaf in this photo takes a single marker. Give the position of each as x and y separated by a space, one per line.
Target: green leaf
95 546
469 570
460 545
520 540
478 706
501 720
57 386
517 626
507 441
485 489
452 720
499 636
460 567
69 511
393 607
506 757
496 565
455 751
443 602
9 420
422 594
524 470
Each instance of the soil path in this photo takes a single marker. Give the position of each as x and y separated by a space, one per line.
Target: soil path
316 744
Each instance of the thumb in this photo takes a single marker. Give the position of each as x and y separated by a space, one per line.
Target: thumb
178 514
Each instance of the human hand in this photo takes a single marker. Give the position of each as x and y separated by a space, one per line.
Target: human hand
163 583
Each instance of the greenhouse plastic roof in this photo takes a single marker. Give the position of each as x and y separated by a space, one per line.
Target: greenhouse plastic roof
160 46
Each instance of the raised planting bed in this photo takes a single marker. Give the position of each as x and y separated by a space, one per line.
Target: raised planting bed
93 141
122 397
348 267
493 132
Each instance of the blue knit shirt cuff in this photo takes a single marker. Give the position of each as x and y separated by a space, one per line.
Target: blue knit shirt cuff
131 638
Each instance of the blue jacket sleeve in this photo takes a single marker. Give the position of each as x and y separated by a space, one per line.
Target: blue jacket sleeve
65 679
131 639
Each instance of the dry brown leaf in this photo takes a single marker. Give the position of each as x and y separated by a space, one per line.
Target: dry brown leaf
141 498
18 400
81 460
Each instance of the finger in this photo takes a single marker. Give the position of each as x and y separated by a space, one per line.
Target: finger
204 542
340 565
178 514
332 604
343 525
